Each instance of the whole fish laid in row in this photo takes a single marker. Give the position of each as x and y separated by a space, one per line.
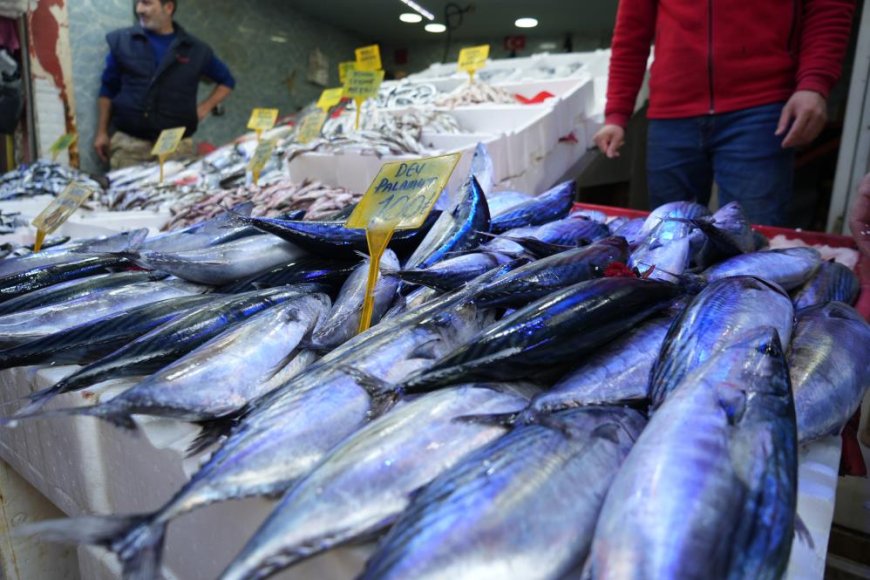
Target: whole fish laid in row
717 460
22 327
551 205
305 270
550 332
331 239
20 283
224 263
832 282
289 431
255 349
717 316
220 229
789 268
364 483
77 288
343 320
452 273
541 277
85 343
525 505
616 373
830 370
456 229
164 344
73 252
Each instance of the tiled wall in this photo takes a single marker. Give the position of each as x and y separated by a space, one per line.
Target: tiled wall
262 41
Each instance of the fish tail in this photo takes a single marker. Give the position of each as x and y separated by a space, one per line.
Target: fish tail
210 433
691 283
383 394
136 540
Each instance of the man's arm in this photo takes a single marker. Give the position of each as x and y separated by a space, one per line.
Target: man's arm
217 71
632 37
216 97
101 140
824 39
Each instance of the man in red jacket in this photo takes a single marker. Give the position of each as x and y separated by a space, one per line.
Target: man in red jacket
734 87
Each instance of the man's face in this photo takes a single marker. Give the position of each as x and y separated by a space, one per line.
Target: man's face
153 15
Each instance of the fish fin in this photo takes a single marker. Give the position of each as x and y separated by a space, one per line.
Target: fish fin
210 433
733 402
244 209
691 283
134 539
609 431
427 350
802 532
542 249
383 394
496 419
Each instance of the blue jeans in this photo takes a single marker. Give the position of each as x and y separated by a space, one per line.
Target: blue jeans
737 150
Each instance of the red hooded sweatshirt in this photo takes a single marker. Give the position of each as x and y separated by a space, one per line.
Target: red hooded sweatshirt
716 56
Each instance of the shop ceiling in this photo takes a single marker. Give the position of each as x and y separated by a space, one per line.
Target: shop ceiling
378 20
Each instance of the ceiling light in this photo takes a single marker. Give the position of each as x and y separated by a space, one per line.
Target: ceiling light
419 9
526 23
435 27
410 17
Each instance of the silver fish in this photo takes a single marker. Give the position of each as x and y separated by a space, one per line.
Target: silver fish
832 282
344 318
21 327
224 374
365 482
717 460
790 268
830 370
524 506
224 263
721 313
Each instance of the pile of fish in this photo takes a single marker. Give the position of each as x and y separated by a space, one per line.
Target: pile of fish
316 199
11 221
41 178
475 93
406 94
541 392
382 132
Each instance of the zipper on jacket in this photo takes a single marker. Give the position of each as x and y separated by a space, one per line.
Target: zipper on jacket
710 53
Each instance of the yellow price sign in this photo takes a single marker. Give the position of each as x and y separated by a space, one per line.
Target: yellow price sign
330 98
368 58
63 143
473 58
400 197
166 145
262 119
344 68
311 126
59 210
262 155
361 85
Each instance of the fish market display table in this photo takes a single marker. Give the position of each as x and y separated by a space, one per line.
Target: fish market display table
86 466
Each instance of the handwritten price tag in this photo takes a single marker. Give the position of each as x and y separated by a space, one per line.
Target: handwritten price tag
61 207
310 127
168 142
262 155
63 143
473 58
363 84
368 58
330 98
403 192
344 68
262 119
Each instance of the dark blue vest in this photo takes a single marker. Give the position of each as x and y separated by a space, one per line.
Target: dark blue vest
154 97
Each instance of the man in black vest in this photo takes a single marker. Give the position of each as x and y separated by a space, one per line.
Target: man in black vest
150 83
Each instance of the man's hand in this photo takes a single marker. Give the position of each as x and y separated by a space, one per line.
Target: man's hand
609 139
203 110
807 113
101 146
